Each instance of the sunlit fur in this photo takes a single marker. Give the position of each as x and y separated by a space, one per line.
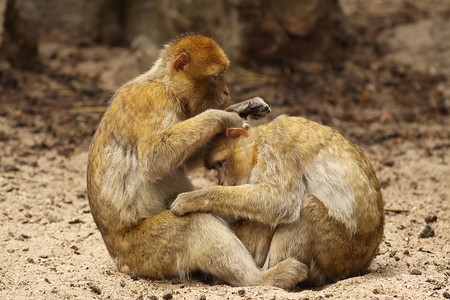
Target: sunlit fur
153 126
301 187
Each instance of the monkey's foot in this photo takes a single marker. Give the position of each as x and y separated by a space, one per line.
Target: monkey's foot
286 274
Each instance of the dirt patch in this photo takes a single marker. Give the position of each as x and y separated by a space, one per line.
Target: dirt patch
391 98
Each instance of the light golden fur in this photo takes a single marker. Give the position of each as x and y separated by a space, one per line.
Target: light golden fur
152 128
300 190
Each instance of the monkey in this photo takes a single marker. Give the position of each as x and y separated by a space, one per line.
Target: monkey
297 189
152 128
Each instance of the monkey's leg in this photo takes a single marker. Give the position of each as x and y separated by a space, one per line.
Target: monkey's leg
323 243
256 237
292 240
167 246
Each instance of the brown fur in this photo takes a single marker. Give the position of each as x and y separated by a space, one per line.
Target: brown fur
302 190
153 126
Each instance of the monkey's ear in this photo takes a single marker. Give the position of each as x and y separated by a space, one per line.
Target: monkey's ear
234 133
181 62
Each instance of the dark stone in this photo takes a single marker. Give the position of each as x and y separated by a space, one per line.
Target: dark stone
427 232
415 272
430 219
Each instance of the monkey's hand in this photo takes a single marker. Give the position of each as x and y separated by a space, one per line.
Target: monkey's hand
231 120
183 204
255 108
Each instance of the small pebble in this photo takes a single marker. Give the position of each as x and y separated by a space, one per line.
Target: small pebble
415 272
202 297
24 237
427 232
389 163
11 168
168 296
241 292
75 221
430 219
122 283
134 276
94 288
446 295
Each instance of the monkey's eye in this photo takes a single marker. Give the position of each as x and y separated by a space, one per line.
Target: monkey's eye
219 165
215 76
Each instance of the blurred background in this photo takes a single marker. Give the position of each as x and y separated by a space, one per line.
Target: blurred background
378 66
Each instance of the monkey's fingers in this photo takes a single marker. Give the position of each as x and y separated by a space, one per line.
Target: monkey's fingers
176 210
179 207
255 109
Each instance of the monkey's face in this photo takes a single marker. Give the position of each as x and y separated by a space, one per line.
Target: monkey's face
201 92
232 159
198 73
220 94
211 92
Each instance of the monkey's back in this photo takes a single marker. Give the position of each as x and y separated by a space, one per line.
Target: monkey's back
342 217
332 168
120 193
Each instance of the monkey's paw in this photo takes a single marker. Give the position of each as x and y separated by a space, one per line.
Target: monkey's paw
180 205
255 109
286 274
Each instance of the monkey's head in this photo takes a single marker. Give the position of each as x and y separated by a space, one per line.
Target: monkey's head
197 67
233 156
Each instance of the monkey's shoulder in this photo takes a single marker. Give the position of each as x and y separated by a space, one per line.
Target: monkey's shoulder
293 124
295 136
301 131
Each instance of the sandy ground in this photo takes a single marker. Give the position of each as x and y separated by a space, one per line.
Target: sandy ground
396 109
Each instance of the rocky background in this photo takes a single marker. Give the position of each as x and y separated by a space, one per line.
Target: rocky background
378 71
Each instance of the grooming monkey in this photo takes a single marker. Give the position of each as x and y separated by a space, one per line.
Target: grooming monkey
301 190
153 126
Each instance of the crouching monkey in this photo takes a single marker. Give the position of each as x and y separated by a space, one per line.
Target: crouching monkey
302 191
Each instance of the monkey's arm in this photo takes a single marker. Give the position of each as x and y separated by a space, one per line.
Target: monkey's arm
196 160
254 108
257 202
160 155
